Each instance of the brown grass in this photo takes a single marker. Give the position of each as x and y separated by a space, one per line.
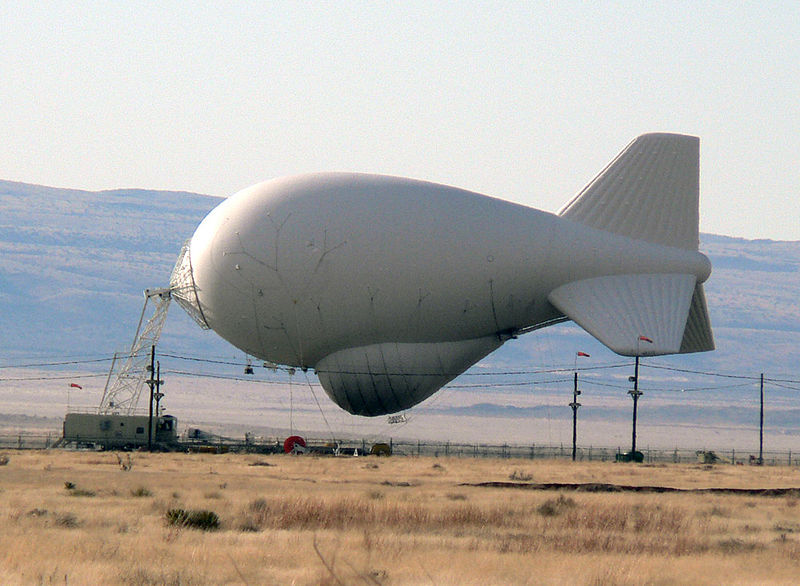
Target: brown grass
318 520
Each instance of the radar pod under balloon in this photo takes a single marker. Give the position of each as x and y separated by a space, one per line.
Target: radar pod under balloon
390 287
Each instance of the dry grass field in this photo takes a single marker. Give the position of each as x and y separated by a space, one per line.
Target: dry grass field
80 518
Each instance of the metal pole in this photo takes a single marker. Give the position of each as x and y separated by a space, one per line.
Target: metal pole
151 383
159 395
105 389
635 393
761 425
575 405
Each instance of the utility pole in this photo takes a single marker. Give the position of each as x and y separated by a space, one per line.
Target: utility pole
151 383
761 426
575 405
635 393
158 394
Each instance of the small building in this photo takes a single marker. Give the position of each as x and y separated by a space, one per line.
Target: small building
118 431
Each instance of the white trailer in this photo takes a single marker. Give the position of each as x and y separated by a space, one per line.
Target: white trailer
111 431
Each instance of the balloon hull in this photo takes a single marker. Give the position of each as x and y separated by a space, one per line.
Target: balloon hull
391 287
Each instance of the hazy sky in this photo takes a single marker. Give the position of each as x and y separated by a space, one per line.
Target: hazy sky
526 101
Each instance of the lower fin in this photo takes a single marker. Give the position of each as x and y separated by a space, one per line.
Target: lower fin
697 337
639 314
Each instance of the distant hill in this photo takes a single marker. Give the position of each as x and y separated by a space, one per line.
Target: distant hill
73 265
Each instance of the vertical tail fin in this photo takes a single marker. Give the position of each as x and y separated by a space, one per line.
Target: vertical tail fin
650 192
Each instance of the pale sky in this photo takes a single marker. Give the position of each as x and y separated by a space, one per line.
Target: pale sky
525 101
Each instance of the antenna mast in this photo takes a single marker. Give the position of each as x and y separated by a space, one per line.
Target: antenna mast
122 391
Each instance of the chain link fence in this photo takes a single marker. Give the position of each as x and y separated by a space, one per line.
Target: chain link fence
38 441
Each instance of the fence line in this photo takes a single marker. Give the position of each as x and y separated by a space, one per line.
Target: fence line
37 441
592 453
28 441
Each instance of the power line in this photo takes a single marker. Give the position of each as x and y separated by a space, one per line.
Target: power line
702 372
221 376
517 372
514 384
720 374
468 373
466 386
211 361
598 384
669 390
61 363
783 386
698 389
781 382
60 377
